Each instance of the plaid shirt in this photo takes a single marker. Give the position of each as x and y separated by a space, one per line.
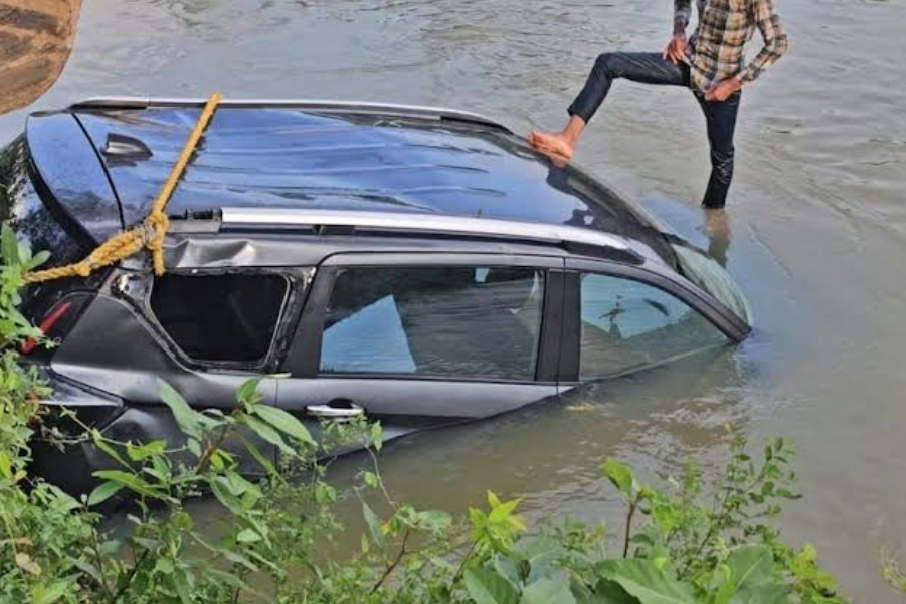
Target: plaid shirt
717 49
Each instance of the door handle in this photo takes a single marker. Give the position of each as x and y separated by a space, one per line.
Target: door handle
330 411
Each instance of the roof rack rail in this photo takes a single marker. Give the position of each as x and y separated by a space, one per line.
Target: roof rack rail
127 102
417 223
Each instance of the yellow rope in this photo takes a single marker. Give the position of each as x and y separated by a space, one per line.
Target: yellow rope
151 233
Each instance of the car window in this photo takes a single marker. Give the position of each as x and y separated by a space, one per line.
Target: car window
629 325
220 318
476 322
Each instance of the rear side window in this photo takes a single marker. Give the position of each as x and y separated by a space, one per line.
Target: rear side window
220 318
628 325
475 322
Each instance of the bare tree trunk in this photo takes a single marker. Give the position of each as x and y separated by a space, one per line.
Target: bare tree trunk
36 37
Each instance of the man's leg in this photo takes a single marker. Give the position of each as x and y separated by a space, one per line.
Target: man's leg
644 67
721 119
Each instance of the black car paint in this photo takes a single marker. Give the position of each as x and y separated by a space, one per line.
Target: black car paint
291 158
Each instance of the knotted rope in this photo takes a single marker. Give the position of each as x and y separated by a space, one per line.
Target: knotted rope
148 235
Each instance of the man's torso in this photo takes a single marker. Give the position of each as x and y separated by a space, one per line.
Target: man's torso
716 50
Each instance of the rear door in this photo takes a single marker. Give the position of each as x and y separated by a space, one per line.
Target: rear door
422 340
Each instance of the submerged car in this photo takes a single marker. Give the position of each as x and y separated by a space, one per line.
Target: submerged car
416 266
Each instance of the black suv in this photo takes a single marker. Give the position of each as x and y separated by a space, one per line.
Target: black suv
415 265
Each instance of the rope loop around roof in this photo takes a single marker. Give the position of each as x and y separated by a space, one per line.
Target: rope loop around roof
151 232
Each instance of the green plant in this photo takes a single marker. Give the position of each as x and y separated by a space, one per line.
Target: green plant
893 575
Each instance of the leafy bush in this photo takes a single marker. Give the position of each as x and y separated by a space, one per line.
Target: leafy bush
698 540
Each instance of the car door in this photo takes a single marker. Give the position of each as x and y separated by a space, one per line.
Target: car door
623 319
422 340
203 331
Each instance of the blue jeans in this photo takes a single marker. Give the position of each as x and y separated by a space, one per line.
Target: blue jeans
652 68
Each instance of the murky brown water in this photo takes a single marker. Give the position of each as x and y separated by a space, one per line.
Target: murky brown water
818 216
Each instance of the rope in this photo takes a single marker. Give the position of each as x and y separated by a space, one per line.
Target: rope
151 233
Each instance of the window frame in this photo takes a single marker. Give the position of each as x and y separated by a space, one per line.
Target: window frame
304 358
290 306
700 301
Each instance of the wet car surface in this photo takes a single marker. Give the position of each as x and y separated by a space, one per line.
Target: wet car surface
419 267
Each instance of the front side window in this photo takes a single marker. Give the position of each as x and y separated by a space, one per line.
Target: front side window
628 325
228 318
473 322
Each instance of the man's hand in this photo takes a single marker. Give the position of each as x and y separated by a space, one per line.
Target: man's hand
675 51
721 91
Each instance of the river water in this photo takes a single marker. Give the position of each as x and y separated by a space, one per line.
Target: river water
817 214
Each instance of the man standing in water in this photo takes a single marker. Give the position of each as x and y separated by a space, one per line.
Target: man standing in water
711 63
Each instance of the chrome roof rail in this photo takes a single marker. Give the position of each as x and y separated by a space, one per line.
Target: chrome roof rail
402 222
126 102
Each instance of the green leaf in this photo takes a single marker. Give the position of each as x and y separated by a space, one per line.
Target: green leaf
374 524
39 259
487 587
194 447
9 246
267 433
377 436
145 451
130 481
372 480
103 492
190 422
750 565
248 392
6 466
285 422
248 536
608 592
104 446
646 582
619 475
547 591
47 595
493 500
771 593
222 491
164 566
263 461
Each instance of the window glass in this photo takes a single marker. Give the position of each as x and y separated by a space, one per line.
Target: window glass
628 325
481 322
220 318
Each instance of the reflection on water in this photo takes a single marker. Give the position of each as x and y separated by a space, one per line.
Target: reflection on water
817 216
717 227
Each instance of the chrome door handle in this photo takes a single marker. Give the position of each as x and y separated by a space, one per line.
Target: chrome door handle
328 411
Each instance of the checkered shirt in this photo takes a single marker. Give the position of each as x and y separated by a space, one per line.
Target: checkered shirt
717 49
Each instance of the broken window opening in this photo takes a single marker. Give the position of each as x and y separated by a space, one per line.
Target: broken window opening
228 318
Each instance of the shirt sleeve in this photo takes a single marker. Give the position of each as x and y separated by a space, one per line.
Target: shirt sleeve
682 12
775 40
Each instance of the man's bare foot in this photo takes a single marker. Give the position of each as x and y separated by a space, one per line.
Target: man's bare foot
717 223
550 142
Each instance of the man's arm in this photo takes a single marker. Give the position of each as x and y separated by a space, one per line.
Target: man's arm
682 13
775 40
676 48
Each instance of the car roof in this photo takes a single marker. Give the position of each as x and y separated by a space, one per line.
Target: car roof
317 155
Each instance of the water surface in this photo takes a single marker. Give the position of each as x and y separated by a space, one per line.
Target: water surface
817 212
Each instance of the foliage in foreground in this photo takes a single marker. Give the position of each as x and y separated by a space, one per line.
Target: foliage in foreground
697 541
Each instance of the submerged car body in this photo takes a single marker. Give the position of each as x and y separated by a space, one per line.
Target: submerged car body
418 266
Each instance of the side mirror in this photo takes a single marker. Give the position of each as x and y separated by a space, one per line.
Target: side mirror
36 37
